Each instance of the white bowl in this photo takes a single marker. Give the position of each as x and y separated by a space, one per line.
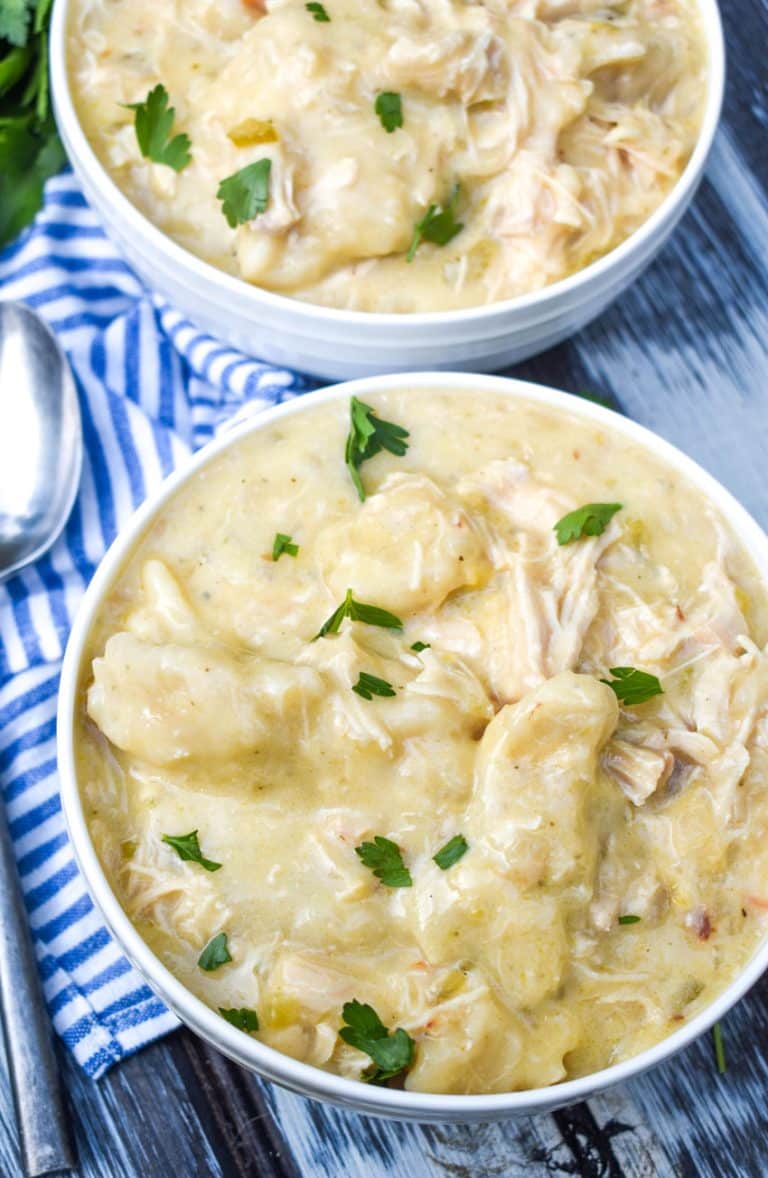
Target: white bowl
250 1052
341 344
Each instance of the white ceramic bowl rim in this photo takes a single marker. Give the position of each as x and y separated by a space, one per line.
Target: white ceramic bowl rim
229 285
246 1050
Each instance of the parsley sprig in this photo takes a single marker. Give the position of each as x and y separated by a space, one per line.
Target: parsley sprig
368 436
385 860
283 544
30 149
632 686
389 108
369 685
453 850
245 194
153 122
358 611
215 954
241 1017
187 847
438 225
391 1053
419 646
590 520
318 12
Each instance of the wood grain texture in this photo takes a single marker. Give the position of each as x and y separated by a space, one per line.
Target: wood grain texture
685 351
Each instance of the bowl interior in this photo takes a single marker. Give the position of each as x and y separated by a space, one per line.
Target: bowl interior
253 300
245 1050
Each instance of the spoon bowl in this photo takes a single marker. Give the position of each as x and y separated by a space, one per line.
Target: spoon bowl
41 447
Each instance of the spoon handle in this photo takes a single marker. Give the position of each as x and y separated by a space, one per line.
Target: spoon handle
46 1140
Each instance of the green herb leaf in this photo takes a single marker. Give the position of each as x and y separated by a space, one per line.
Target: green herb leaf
385 861
245 194
364 1030
358 611
597 399
368 435
419 646
283 544
453 850
153 121
241 1017
14 20
438 225
369 685
187 847
30 150
629 919
318 12
719 1046
590 520
633 686
215 954
389 108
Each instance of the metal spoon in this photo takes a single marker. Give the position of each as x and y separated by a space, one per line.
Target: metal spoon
41 441
40 460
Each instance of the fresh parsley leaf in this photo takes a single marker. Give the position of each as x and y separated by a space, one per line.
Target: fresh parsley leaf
187 847
597 399
438 225
245 194
153 121
364 1030
241 1017
358 611
283 544
719 1046
419 646
369 685
629 919
14 20
590 520
30 149
385 861
318 12
633 686
369 435
453 850
389 108
216 953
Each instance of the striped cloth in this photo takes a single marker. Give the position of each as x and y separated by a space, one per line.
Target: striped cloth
152 389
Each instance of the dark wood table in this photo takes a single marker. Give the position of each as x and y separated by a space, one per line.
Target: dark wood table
686 353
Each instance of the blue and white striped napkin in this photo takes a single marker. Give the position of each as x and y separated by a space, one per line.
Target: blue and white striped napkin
152 389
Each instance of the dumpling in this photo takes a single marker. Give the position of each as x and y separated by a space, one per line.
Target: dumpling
406 549
166 702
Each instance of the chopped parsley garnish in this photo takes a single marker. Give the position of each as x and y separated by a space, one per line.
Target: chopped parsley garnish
419 646
590 520
367 436
598 399
369 685
358 611
438 225
153 121
629 919
385 861
283 544
451 852
318 12
241 1017
389 108
215 953
245 194
719 1046
633 686
363 1029
187 847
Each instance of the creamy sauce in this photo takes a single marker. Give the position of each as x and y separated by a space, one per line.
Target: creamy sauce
564 123
209 707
